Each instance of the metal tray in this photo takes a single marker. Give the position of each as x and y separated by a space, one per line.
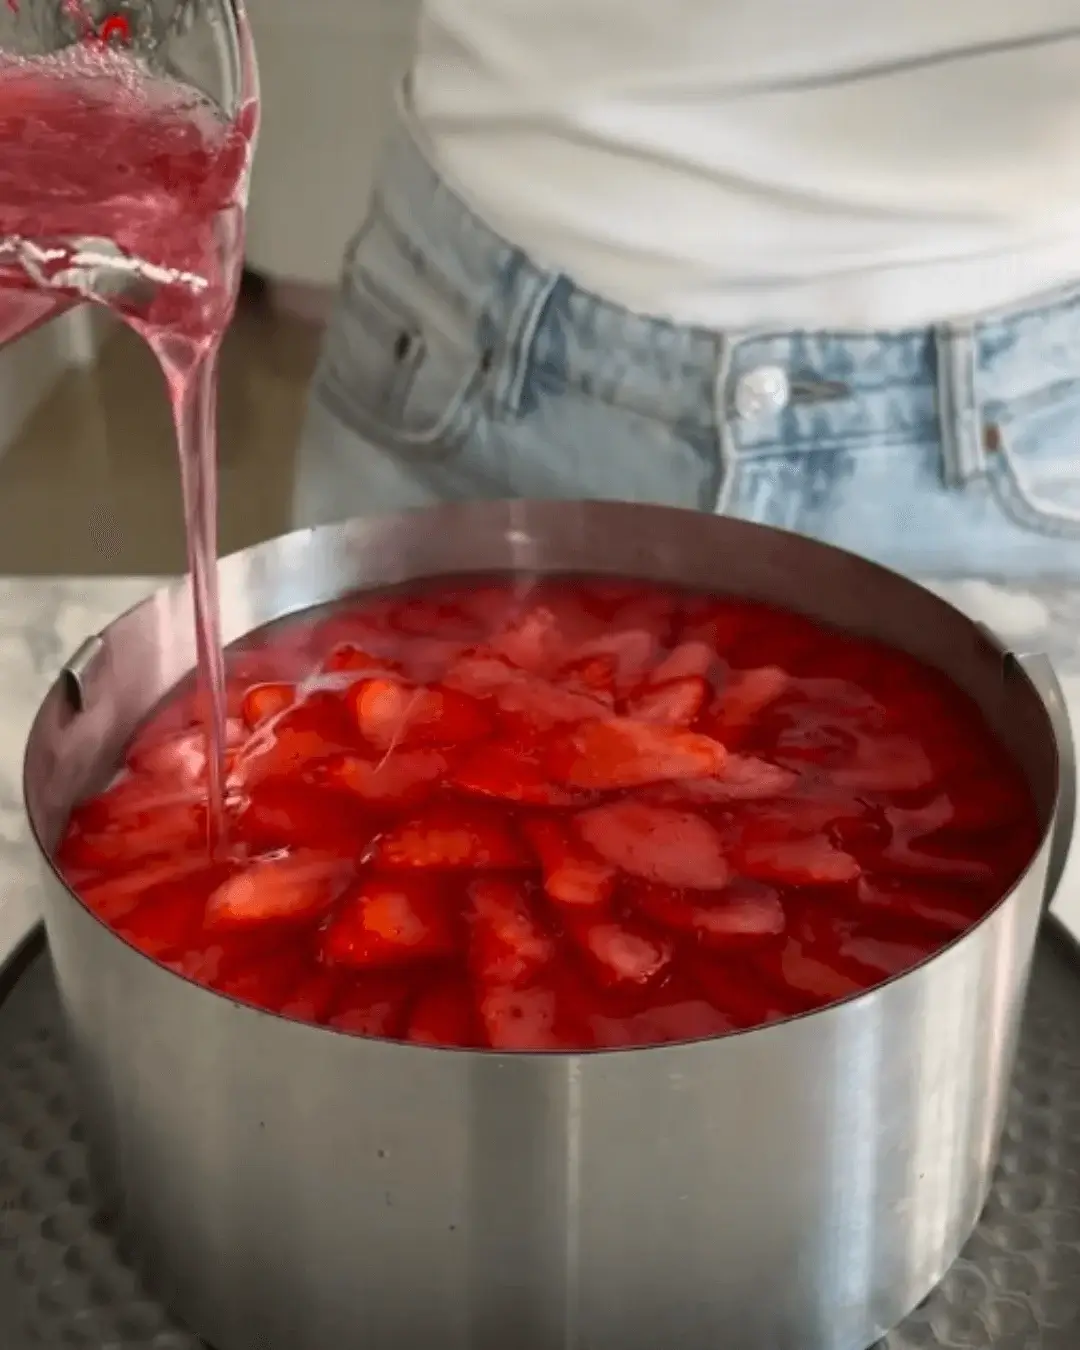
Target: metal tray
66 1283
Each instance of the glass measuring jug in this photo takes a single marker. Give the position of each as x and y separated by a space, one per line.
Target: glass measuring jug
81 213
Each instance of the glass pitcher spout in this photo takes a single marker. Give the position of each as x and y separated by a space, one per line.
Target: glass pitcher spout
96 242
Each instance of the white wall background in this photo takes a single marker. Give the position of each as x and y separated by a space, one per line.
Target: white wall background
30 367
329 70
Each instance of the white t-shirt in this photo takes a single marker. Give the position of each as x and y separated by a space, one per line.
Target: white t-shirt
796 163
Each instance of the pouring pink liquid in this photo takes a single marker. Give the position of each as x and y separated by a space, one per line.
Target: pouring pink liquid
130 191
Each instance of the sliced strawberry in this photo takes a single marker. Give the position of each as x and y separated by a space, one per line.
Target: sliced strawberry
812 861
943 909
592 675
263 702
532 641
265 983
689 660
657 843
742 993
744 913
313 998
628 653
389 922
523 699
746 779
510 771
742 779
888 957
373 1005
921 846
443 1015
450 837
283 814
747 695
622 952
401 778
815 741
349 657
676 1012
508 945
392 714
285 889
573 874
182 758
112 898
169 923
676 690
531 1017
199 959
845 940
624 753
674 704
527 704
480 674
129 796
314 729
816 979
885 764
808 814
133 837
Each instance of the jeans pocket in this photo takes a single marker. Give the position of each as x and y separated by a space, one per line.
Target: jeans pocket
1033 459
400 363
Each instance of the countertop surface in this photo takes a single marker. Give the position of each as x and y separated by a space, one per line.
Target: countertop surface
43 621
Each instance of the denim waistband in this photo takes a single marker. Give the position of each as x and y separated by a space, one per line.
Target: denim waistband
760 390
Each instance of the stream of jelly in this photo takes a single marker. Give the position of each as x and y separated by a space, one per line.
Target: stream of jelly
130 191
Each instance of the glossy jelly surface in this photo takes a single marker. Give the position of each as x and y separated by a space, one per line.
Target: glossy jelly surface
569 814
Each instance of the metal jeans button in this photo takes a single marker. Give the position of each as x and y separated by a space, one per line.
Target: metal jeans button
761 392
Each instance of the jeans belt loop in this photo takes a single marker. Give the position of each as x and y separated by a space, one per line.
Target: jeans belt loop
962 450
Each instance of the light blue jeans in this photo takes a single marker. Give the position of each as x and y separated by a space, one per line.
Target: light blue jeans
454 367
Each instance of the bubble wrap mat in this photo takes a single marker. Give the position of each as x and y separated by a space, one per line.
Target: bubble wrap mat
65 1285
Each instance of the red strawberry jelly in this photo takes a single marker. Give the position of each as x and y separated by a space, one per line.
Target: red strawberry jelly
570 815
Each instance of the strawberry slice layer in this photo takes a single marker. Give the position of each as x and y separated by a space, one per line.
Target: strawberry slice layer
744 913
657 843
263 702
373 1005
573 874
621 952
451 838
283 889
444 1015
624 753
304 734
390 921
747 695
400 778
510 772
534 1017
390 713
797 862
555 814
508 945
